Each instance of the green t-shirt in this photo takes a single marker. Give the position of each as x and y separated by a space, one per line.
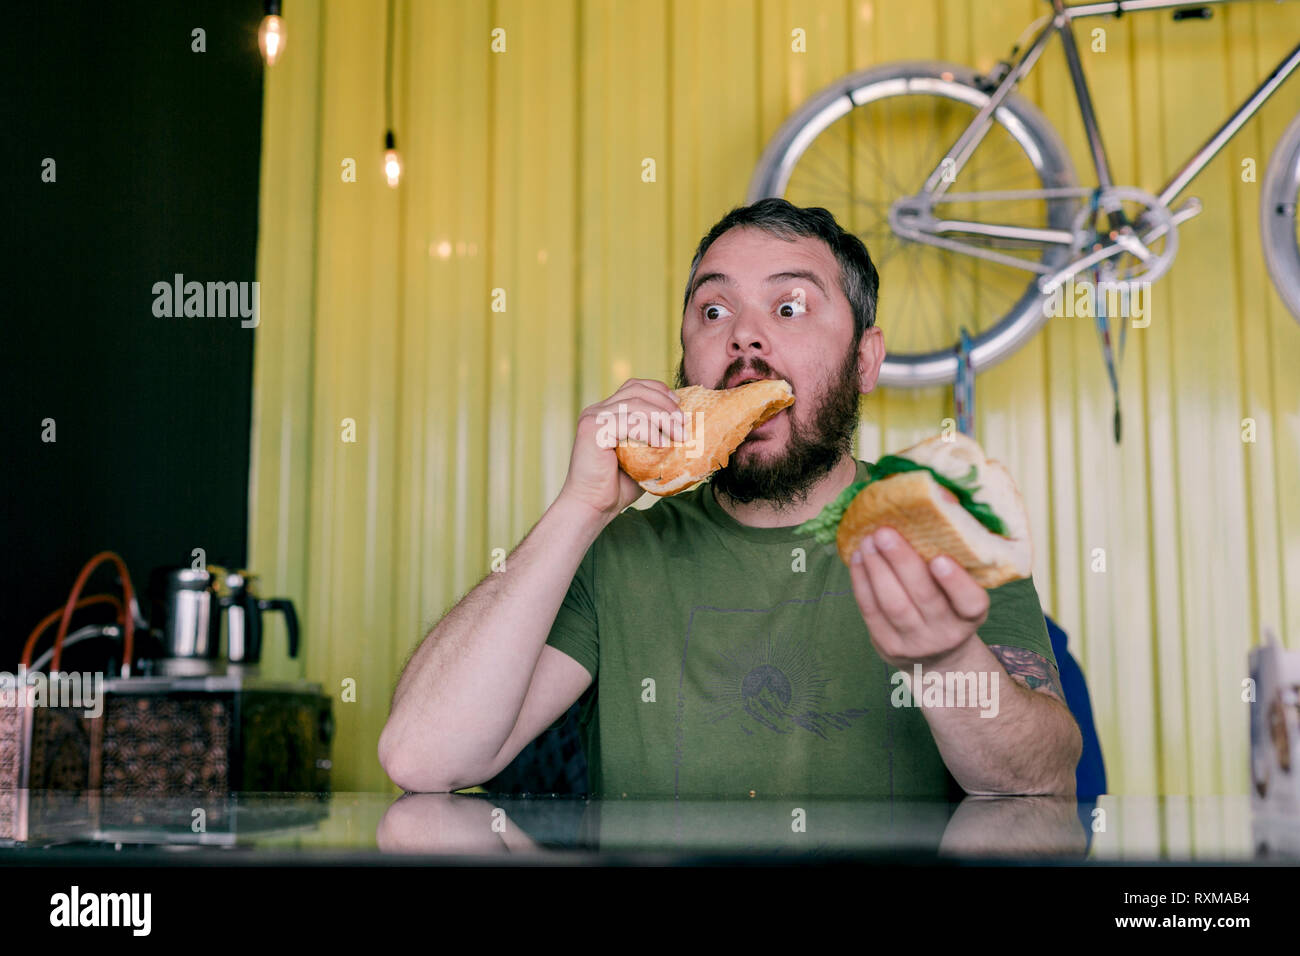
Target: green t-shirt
720 668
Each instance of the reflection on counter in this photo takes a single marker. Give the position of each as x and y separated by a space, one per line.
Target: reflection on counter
372 827
440 823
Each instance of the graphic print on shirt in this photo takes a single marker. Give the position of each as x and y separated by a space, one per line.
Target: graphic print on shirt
773 681
762 677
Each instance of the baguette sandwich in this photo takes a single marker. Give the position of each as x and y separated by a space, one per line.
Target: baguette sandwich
943 497
715 421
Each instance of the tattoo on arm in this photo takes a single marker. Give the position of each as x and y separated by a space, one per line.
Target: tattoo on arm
1030 670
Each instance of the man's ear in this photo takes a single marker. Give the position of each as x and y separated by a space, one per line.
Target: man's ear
871 355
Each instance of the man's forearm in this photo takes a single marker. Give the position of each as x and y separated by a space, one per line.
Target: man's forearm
1030 744
461 692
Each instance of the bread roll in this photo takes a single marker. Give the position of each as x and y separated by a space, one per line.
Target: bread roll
934 522
716 422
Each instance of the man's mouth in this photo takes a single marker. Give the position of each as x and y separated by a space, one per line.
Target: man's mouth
765 429
741 378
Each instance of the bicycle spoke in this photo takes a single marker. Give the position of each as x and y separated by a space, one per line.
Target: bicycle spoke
939 311
836 169
970 286
898 245
874 148
934 137
910 294
970 269
839 197
855 200
880 160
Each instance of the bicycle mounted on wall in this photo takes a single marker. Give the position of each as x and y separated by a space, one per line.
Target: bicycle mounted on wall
999 226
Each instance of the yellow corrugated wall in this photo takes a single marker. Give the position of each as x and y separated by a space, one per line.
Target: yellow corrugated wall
523 173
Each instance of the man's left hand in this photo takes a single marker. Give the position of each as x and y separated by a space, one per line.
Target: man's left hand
916 612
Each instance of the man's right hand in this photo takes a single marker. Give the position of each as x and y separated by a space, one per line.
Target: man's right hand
595 478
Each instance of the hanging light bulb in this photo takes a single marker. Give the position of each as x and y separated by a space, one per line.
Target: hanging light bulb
270 35
392 161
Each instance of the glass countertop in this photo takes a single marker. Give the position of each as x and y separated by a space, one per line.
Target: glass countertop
69 828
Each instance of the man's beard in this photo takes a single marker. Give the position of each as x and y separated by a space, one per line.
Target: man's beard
812 451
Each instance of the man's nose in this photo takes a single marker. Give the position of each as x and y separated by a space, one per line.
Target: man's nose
747 334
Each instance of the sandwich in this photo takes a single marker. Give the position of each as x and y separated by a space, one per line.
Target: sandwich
715 422
944 497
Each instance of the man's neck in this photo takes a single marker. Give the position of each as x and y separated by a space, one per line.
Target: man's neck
761 514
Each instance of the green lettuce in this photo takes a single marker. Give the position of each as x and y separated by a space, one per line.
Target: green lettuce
825 526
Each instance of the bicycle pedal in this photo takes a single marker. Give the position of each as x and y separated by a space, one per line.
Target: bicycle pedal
1185 210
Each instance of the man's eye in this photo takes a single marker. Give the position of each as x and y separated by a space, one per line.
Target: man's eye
796 306
712 308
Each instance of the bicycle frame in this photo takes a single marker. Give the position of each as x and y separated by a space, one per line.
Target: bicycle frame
1060 24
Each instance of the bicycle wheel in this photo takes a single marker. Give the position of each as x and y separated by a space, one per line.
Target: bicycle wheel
871 139
1277 217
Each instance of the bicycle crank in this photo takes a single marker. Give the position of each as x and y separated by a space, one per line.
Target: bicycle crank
1138 245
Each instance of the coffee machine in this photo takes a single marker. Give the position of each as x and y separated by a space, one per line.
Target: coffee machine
205 687
194 716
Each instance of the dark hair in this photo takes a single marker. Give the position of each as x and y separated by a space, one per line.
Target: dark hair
858 277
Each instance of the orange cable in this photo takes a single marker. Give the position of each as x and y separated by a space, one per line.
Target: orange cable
53 616
128 595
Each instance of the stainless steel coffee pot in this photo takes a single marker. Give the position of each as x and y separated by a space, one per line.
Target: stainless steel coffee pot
243 617
198 611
